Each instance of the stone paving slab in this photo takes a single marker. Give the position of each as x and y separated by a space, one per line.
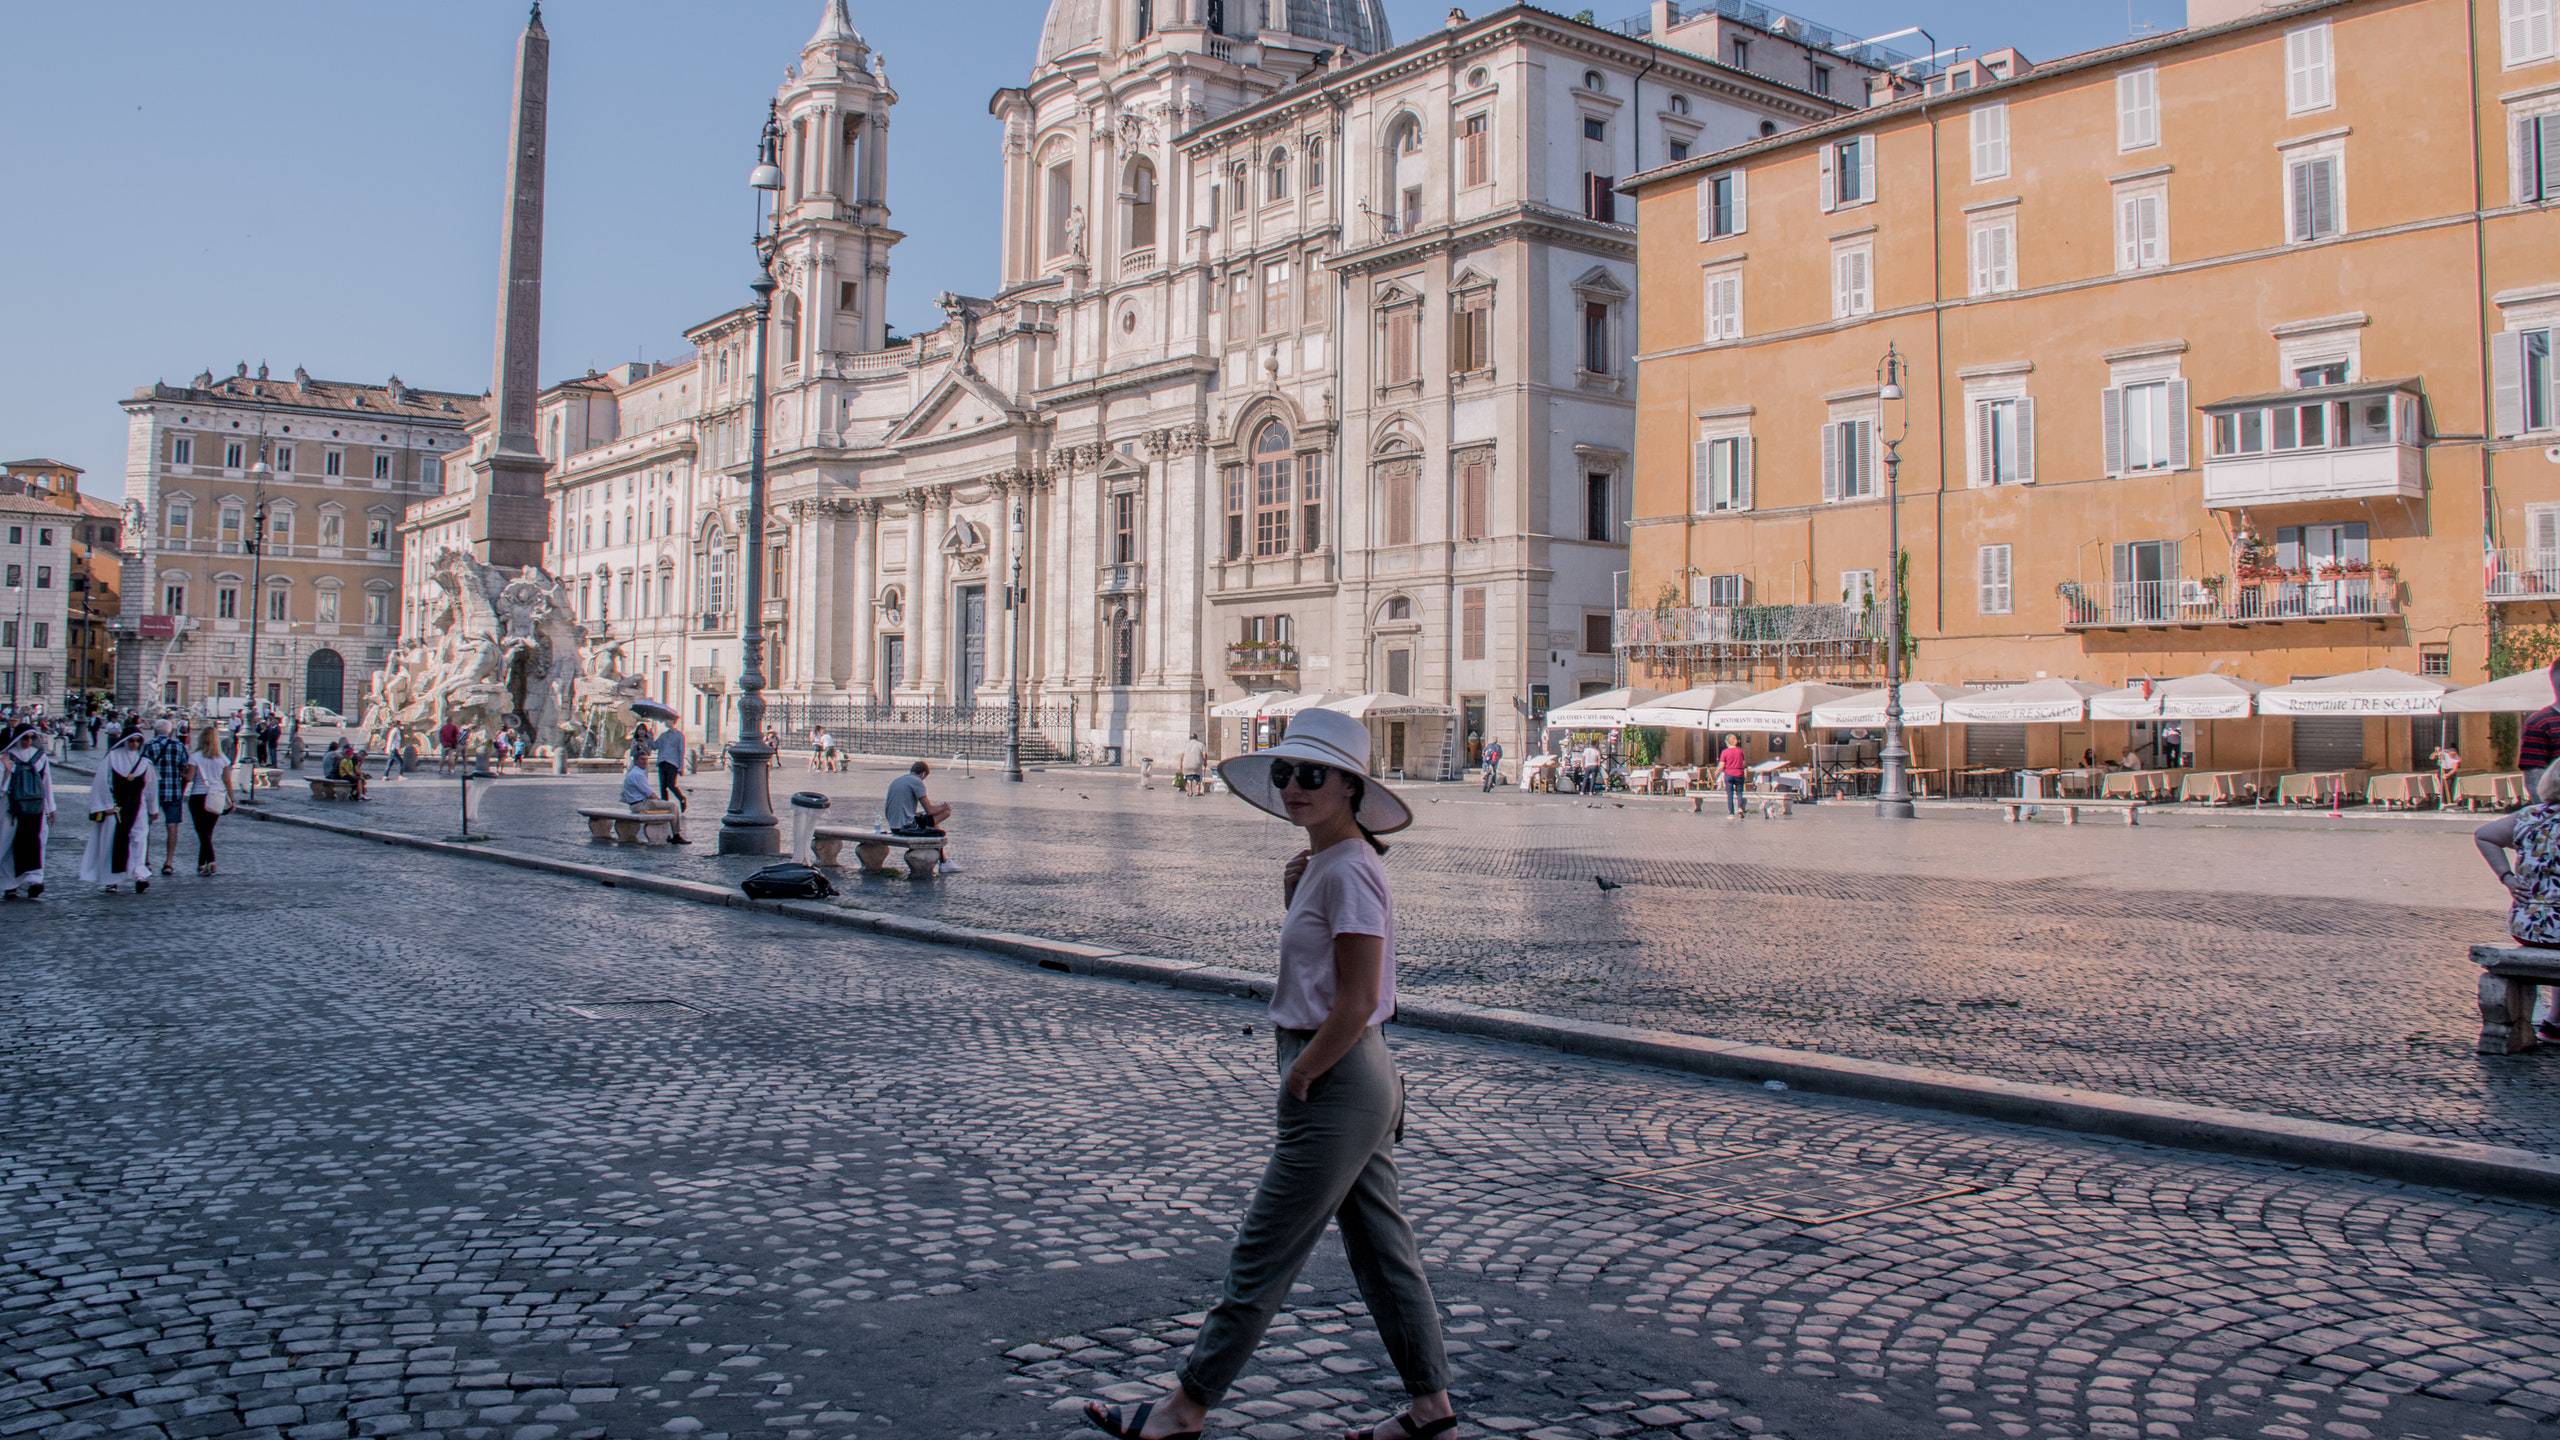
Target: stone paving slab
326 1146
2318 972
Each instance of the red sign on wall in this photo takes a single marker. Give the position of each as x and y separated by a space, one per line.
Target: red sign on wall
159 627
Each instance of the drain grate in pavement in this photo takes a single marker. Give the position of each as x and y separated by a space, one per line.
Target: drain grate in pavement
633 1010
1791 1185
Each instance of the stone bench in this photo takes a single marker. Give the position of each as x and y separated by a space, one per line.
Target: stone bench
630 827
2509 976
2016 809
871 848
331 789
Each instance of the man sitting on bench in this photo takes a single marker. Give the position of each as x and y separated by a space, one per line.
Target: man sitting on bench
349 767
910 811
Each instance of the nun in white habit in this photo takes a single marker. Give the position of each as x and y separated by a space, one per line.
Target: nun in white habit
26 780
124 805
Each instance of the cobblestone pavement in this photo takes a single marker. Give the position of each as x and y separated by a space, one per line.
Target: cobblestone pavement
2311 969
360 1141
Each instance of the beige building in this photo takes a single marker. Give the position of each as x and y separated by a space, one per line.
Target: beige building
2229 349
35 595
97 565
323 469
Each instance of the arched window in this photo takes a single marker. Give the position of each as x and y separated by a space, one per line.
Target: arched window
1124 647
1276 186
1403 169
1140 198
1399 478
1315 166
790 318
1058 199
1146 19
1273 489
1397 608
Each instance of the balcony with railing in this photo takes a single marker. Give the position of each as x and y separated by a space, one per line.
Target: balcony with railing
2368 593
2524 575
1753 642
2333 442
1138 261
1263 660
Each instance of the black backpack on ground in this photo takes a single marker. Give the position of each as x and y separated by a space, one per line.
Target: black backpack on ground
787 882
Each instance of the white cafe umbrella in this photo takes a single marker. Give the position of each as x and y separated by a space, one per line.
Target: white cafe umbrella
1386 705
1777 712
2189 697
2514 695
2366 692
1249 706
1604 711
2041 702
1686 710
1923 706
1292 704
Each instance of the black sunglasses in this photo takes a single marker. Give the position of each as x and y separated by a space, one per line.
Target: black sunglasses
1311 776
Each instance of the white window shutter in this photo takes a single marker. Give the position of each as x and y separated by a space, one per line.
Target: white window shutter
2150 246
2298 204
1977 445
1702 470
2506 386
1741 187
2111 425
2546 168
2128 234
2178 425
1706 207
2324 198
2523 153
1830 462
1742 473
2026 441
1866 169
1986 571
2004 258
1830 186
2542 532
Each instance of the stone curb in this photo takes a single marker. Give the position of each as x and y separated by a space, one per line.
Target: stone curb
2498 1171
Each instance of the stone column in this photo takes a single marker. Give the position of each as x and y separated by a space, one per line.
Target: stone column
924 606
875 155
827 135
1000 621
863 612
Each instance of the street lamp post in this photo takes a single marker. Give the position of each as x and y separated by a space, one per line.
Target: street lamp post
258 475
1016 600
1893 793
749 826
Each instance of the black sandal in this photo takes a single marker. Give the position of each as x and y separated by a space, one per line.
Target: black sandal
1133 1428
1436 1427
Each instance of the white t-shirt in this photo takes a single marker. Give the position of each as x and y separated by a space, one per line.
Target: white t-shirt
207 770
1344 892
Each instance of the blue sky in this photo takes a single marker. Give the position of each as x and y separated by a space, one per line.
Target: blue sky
315 182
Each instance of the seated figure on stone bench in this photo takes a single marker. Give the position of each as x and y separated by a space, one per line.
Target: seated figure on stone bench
910 811
2533 879
640 792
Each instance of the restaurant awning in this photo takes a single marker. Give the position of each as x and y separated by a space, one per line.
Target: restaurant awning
2514 695
2041 702
1777 712
1292 704
1688 709
1248 706
1923 704
1386 705
1604 711
2188 697
2366 692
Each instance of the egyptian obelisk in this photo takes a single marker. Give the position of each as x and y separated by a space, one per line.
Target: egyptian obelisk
509 521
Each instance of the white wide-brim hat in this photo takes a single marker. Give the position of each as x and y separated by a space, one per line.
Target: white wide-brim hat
1330 738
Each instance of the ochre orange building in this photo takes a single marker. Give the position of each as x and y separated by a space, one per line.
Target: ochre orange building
2228 349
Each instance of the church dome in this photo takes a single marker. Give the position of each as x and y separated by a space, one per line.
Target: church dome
1075 26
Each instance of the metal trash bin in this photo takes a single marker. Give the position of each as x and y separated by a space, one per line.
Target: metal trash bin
807 806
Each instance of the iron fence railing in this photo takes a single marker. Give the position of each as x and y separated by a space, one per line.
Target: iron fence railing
931 732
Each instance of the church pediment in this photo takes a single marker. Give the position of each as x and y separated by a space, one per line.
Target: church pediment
960 403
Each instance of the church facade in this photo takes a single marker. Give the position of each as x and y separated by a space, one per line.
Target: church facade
1308 367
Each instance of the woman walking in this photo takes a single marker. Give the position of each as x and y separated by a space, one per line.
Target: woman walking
1341 1106
124 805
210 797
26 814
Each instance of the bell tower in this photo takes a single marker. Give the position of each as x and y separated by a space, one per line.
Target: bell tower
834 110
